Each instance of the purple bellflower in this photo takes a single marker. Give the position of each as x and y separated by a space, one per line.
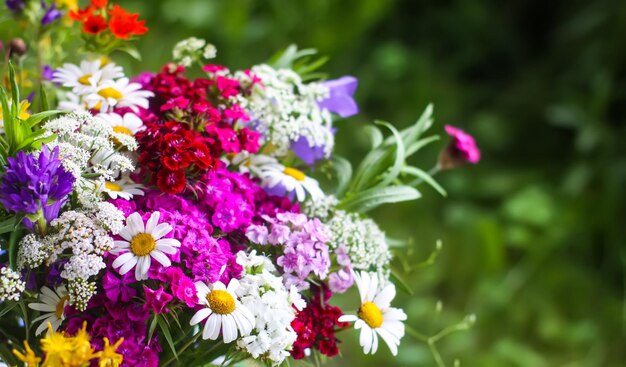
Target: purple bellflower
341 96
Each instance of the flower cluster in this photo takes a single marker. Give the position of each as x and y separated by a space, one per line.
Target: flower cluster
162 218
99 17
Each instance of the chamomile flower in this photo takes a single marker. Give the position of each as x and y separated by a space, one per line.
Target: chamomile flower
249 163
86 77
73 102
128 124
281 180
143 243
223 311
119 93
123 188
52 306
375 316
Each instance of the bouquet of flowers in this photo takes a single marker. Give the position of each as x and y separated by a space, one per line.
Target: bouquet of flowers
166 220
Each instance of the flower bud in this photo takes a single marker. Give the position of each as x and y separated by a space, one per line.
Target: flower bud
17 47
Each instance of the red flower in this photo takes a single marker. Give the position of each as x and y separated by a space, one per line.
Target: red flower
315 325
94 24
124 24
81 14
99 4
171 182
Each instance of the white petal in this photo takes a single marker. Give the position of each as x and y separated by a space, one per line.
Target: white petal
169 241
233 285
391 342
366 339
200 315
161 230
375 343
135 224
202 290
122 259
229 328
161 258
165 248
143 265
384 298
219 285
348 318
393 314
128 265
50 293
212 328
41 328
152 222
42 307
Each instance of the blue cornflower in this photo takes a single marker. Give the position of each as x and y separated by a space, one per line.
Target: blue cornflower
36 187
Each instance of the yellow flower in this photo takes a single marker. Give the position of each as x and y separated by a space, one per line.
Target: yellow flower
82 347
58 348
108 356
29 358
70 4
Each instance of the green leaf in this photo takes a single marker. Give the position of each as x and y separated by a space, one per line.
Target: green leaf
376 137
374 163
166 333
8 307
400 283
13 244
423 176
8 225
416 146
15 90
394 170
344 173
43 99
374 197
131 51
38 117
152 327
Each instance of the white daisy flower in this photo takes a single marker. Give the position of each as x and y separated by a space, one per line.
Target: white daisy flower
143 243
249 163
52 307
119 93
128 124
375 316
73 102
85 78
287 180
124 188
224 311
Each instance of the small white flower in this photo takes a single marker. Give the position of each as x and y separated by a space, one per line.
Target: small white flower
223 311
249 163
376 317
123 188
119 93
86 77
143 243
278 177
52 306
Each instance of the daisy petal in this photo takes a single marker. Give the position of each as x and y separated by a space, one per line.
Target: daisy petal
200 315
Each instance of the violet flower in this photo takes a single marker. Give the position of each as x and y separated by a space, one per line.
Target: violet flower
309 154
15 5
36 186
156 299
461 150
52 14
341 96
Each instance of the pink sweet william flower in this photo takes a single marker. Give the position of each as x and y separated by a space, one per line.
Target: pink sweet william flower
462 149
185 290
156 299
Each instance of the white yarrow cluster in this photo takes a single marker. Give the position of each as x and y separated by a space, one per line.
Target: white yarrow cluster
262 291
364 240
283 109
88 148
11 285
193 49
321 208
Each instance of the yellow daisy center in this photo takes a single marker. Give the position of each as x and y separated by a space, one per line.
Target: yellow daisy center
142 244
122 130
221 302
370 313
112 186
84 80
61 306
111 93
295 173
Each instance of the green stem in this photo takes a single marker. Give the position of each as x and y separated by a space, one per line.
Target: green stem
183 348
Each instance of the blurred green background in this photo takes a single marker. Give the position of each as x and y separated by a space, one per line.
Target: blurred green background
534 236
